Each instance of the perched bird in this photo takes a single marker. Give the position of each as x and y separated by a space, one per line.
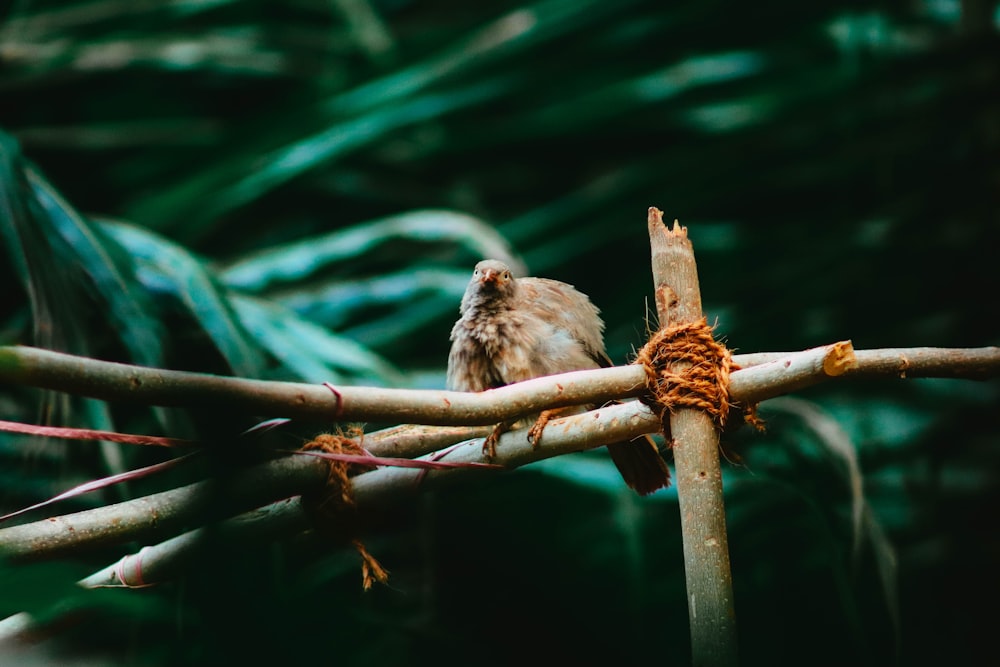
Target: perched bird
515 329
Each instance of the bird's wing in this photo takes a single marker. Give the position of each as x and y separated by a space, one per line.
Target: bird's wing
566 308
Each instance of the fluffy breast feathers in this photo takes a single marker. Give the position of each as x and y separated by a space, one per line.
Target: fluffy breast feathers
535 327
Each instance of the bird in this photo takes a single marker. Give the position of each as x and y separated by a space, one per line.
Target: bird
514 329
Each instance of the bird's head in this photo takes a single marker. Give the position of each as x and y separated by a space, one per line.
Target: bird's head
492 274
492 284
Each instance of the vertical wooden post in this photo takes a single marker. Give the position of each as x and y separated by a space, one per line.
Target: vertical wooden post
696 462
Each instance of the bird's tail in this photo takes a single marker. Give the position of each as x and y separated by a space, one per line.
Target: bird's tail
641 465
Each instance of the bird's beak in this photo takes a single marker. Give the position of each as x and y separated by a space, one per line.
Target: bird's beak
489 277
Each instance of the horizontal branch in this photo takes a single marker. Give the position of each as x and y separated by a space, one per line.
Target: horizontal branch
122 382
158 515
54 537
161 562
980 363
168 559
151 386
973 363
161 515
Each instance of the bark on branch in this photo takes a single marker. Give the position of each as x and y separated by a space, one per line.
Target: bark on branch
151 386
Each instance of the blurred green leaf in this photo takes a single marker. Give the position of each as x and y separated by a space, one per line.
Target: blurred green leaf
34 588
338 302
127 303
166 266
301 260
311 351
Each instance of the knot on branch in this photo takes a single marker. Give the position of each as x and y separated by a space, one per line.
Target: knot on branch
334 505
701 378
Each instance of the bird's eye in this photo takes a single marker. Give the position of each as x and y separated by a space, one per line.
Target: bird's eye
506 275
475 273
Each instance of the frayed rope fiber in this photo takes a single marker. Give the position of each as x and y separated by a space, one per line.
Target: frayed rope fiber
335 503
703 381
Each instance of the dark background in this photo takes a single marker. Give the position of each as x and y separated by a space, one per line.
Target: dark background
298 190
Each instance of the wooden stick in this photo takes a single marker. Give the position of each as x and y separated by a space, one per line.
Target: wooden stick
35 367
711 611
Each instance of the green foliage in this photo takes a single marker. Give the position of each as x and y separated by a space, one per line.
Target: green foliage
298 190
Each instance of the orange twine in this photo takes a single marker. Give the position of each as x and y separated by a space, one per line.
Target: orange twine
336 501
701 383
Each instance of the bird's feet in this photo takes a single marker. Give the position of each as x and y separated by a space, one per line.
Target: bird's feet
490 442
535 432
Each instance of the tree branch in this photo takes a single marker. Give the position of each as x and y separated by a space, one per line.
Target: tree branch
151 386
160 515
976 363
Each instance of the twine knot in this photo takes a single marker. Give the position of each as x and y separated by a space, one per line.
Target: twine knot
334 505
702 381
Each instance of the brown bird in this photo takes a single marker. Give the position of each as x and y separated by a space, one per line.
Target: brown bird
515 329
